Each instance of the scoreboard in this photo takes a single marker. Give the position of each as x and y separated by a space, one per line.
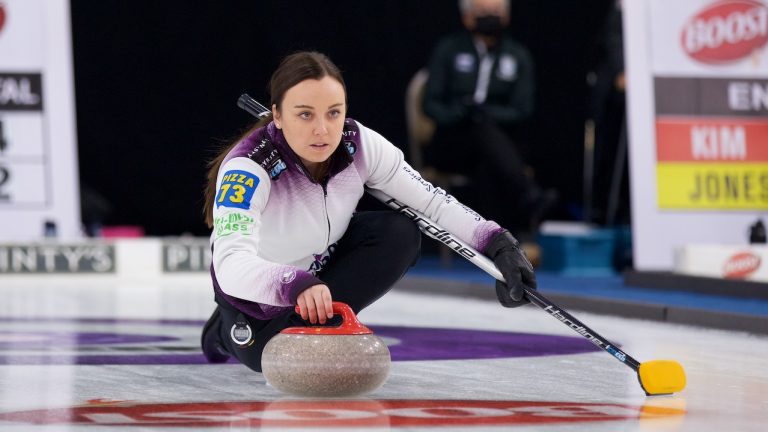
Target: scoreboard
38 156
23 170
697 91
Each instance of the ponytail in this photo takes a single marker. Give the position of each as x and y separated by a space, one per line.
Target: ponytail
215 164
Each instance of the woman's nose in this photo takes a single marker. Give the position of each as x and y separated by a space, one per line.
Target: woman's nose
320 128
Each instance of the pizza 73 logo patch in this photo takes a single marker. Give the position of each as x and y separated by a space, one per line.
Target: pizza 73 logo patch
236 190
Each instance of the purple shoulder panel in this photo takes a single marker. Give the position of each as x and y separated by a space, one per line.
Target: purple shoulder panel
354 143
351 136
248 146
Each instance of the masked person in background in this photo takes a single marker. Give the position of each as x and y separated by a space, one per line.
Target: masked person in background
480 87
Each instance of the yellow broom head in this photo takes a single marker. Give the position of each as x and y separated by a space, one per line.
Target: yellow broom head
661 377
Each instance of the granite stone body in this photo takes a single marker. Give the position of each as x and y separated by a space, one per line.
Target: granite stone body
325 365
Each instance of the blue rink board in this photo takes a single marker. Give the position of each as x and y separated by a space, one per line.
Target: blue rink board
605 287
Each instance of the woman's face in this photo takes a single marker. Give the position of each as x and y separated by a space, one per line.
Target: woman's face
312 118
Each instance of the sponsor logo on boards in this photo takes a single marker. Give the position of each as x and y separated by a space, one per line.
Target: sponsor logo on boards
726 31
741 265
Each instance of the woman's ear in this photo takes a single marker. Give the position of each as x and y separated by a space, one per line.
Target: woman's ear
276 116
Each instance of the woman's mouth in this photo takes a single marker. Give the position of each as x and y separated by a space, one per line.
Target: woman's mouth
319 146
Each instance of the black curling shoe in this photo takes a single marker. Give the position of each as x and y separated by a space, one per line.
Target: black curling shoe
210 341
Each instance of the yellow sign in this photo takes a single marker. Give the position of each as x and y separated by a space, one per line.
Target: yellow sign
715 186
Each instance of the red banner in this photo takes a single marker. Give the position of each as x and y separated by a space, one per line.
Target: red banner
711 140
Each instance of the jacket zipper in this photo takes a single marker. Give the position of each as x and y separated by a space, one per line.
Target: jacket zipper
324 185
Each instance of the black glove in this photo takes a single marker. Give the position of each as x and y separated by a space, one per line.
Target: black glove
505 252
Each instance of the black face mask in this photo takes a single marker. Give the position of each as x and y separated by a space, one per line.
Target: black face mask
489 25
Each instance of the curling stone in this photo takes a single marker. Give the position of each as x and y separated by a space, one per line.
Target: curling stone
341 361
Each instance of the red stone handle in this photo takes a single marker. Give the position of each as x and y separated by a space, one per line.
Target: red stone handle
349 324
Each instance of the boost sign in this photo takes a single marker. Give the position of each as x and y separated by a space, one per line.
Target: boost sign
721 261
2 17
726 31
741 265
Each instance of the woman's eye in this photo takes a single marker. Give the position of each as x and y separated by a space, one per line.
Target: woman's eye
334 113
305 115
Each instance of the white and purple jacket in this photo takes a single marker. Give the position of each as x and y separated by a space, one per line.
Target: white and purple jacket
274 224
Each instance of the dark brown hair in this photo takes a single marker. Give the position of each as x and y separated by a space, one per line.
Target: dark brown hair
294 69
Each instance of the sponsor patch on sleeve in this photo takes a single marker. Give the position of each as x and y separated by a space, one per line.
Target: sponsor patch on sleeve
232 223
236 190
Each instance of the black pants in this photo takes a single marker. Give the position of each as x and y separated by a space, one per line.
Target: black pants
486 153
374 253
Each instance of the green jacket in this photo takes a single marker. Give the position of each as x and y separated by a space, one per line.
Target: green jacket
453 75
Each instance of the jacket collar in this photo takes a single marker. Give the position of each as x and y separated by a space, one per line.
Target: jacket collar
340 159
